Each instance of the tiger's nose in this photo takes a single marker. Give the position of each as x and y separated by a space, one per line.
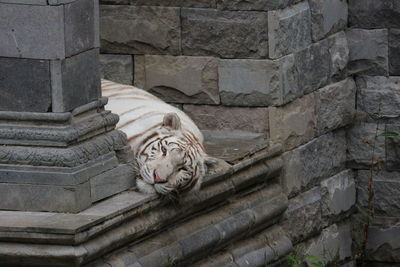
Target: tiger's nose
157 179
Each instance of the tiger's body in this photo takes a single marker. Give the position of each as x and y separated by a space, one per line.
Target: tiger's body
167 145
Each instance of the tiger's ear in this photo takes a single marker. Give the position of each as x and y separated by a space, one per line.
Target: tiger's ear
172 121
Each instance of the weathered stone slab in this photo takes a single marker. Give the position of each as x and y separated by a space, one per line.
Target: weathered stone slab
289 30
327 17
208 32
386 191
246 82
338 193
24 85
183 79
311 77
339 51
303 216
383 241
117 68
289 79
360 142
257 5
368 51
393 149
379 95
30 40
229 118
303 167
139 75
374 14
294 123
394 48
177 3
141 30
335 105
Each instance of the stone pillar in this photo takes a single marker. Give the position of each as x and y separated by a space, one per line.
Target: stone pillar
59 150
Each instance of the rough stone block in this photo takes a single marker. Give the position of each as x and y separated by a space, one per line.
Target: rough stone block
117 68
141 30
139 75
24 85
335 105
30 40
360 141
183 79
224 33
177 3
294 123
338 193
386 191
339 51
289 79
327 17
393 149
311 77
368 51
383 242
308 164
228 118
199 241
289 30
256 5
379 95
247 82
394 48
374 14
303 216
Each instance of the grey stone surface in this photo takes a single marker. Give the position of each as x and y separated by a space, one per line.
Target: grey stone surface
368 51
257 5
386 191
339 51
183 79
117 68
79 27
24 85
310 77
289 79
223 33
394 48
204 239
338 193
177 3
246 82
139 75
383 243
335 105
360 143
229 118
327 17
379 95
235 225
393 149
294 123
374 14
141 30
30 40
289 30
303 218
303 167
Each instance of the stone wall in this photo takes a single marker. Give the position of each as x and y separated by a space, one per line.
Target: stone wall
292 70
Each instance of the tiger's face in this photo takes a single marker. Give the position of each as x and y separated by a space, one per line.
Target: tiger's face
171 161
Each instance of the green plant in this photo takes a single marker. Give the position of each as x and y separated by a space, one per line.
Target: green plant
315 261
171 262
293 261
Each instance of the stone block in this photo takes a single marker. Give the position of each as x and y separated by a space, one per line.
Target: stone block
117 68
335 105
139 75
177 3
228 118
183 79
374 14
235 225
289 79
379 95
310 77
360 141
393 149
303 217
199 241
79 27
368 51
247 82
338 193
294 123
24 85
141 30
386 191
209 32
394 48
308 164
339 51
327 17
289 30
257 5
383 242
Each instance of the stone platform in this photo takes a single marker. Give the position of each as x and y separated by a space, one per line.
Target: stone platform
238 202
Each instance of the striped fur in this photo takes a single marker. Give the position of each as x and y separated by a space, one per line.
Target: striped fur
167 145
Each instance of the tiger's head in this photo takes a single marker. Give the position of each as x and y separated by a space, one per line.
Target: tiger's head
171 160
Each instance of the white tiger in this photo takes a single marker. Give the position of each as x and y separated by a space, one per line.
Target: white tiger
167 145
